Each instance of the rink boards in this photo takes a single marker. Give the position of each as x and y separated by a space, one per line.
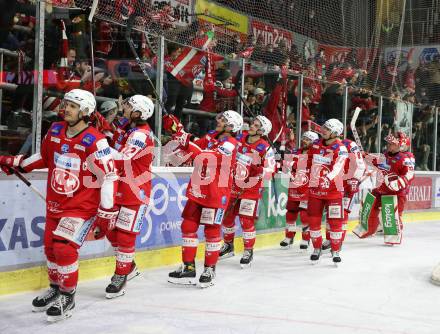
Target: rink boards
22 224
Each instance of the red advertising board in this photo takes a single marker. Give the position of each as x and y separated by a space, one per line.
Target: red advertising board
271 34
420 194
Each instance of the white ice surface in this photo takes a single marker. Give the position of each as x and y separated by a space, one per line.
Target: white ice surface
378 289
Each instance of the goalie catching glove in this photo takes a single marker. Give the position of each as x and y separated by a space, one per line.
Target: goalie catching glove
394 182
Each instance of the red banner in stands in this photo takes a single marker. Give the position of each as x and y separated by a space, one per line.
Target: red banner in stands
271 34
420 194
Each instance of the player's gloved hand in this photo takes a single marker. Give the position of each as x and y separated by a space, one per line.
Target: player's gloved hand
353 185
8 162
171 124
7 170
394 182
105 220
324 182
182 138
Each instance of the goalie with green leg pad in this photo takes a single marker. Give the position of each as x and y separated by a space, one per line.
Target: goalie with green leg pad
396 172
364 215
390 219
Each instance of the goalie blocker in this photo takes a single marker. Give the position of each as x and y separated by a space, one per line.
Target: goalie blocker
368 220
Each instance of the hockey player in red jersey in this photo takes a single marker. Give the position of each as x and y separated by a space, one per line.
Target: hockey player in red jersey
298 169
396 173
133 156
353 172
327 158
75 155
255 161
208 193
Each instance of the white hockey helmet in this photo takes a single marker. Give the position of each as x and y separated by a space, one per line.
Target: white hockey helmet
310 135
266 124
83 98
233 119
335 126
143 104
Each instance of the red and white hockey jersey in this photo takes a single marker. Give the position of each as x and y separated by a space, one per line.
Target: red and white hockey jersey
133 155
401 164
298 167
81 172
214 162
328 161
354 166
254 162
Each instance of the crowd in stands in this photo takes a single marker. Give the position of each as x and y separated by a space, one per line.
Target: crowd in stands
270 84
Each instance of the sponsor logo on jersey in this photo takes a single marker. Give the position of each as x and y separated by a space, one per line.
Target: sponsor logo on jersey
409 162
210 144
79 147
224 150
335 146
260 147
66 162
384 166
65 148
319 159
88 140
136 142
244 159
102 153
224 200
55 139
56 129
244 150
64 182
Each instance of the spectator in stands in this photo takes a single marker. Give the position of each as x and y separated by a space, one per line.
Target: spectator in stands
109 109
331 103
260 99
108 86
178 93
251 103
434 78
423 129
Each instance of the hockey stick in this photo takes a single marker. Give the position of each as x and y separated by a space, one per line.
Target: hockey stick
92 53
357 139
28 183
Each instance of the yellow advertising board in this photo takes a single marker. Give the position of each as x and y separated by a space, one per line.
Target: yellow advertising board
231 20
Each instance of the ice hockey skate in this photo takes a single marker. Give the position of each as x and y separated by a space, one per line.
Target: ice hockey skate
62 308
316 255
246 260
117 286
207 278
336 258
45 300
184 275
286 243
226 251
